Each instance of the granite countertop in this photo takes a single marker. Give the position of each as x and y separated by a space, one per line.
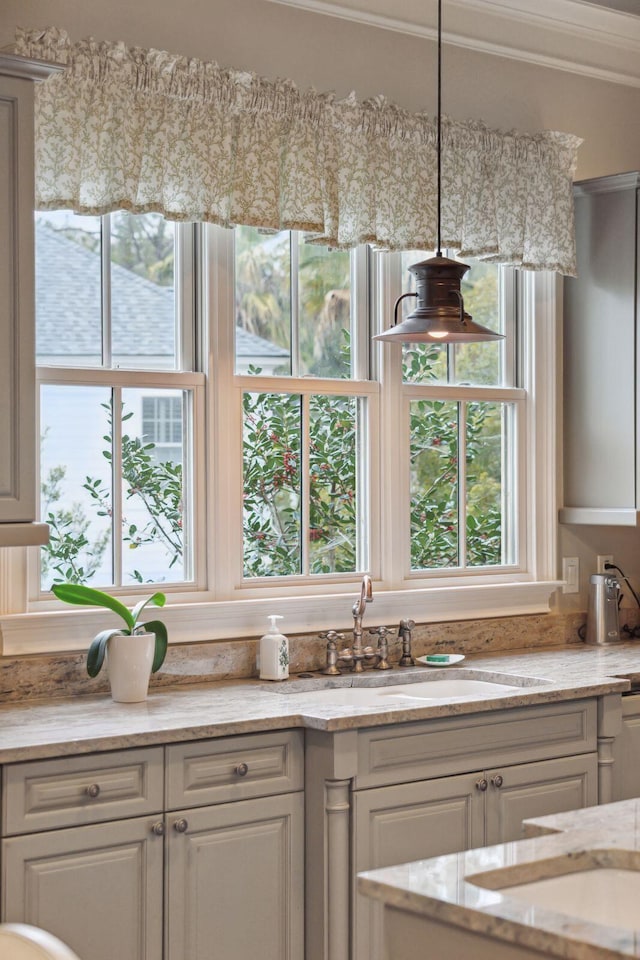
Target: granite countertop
470 890
43 728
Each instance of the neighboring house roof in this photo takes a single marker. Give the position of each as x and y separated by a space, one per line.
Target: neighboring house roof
68 297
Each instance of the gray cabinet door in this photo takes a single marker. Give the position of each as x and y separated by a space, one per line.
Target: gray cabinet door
626 752
235 880
99 887
409 822
536 790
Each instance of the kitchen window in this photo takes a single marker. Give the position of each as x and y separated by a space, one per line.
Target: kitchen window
289 453
120 400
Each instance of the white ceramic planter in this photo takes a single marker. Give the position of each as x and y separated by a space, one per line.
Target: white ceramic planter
129 662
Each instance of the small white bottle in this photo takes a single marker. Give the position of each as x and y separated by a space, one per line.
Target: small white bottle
274 652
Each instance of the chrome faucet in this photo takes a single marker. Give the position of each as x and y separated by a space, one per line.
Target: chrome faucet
357 650
355 655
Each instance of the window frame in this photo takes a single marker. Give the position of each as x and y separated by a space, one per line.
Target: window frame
184 376
229 579
513 393
218 608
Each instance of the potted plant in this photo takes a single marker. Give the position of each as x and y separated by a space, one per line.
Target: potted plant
133 652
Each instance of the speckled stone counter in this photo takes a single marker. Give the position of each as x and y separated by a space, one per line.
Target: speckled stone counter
467 894
621 817
43 728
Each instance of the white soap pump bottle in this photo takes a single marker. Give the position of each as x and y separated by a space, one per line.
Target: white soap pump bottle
274 652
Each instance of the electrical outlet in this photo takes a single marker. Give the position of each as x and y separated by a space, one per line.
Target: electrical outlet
605 558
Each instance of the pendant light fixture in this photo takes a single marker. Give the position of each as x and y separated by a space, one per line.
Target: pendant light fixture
439 316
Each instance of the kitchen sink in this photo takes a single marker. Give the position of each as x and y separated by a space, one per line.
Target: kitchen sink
422 685
599 886
441 689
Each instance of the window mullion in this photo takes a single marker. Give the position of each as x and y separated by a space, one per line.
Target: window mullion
116 484
507 299
185 287
360 313
189 485
462 484
105 252
393 463
223 413
451 363
305 484
364 486
508 485
294 288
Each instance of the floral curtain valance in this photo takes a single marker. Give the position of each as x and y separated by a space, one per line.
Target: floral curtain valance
141 130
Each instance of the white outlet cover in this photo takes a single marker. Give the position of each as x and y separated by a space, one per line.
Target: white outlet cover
571 574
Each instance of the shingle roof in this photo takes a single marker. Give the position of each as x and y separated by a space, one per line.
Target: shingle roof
68 297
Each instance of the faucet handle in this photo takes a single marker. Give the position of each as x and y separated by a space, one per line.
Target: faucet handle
383 647
331 636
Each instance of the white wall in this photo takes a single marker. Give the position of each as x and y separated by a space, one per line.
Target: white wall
331 54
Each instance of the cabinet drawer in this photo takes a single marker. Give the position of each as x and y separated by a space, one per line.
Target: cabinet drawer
421 751
45 794
234 768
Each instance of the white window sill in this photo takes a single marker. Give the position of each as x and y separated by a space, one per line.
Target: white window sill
70 630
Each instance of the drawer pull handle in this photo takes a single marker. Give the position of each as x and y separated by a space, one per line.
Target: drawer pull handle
497 781
93 790
242 770
181 825
481 784
158 828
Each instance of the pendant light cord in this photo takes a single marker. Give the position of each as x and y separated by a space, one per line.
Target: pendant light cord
439 127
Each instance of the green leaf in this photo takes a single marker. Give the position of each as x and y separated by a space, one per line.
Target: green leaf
157 627
97 649
88 596
158 599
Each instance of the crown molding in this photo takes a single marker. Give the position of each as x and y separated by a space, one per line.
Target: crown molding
570 35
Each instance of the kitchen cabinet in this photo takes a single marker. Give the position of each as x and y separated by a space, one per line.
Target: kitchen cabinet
394 794
217 824
98 888
601 346
18 484
626 751
97 885
236 880
235 867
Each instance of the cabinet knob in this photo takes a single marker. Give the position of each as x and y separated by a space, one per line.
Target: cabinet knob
481 784
181 825
242 769
158 828
497 781
93 790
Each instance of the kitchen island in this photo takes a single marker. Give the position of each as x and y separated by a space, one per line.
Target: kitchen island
569 890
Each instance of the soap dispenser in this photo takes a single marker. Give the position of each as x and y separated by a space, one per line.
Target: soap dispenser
274 652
